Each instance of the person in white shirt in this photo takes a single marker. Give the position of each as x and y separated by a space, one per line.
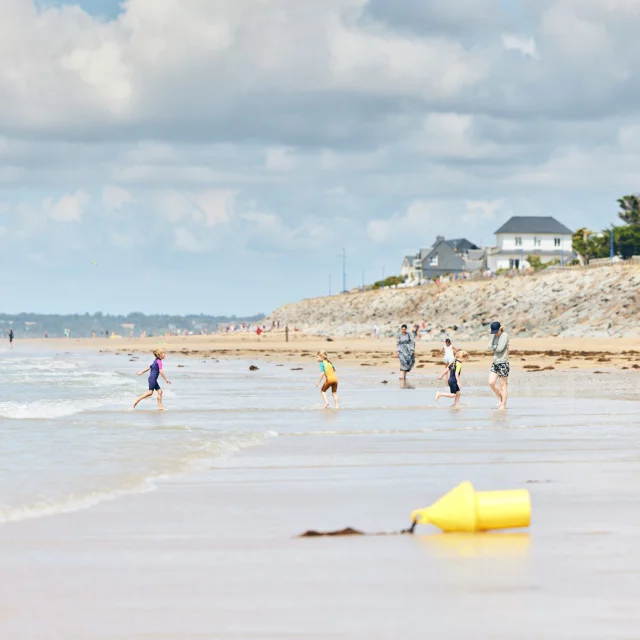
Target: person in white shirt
449 352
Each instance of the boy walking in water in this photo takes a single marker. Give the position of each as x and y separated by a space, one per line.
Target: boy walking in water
500 368
454 369
331 380
156 371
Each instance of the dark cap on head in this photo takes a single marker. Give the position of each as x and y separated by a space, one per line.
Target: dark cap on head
495 327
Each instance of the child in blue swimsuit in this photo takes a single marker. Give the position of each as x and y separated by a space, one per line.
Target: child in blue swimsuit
155 371
454 369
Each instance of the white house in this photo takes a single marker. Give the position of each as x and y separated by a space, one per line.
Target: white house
411 268
523 236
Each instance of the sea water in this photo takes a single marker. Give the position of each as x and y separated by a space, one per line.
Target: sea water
69 438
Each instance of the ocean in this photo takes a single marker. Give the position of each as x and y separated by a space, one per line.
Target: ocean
70 439
128 524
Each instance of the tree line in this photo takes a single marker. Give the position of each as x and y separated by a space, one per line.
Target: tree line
84 325
626 237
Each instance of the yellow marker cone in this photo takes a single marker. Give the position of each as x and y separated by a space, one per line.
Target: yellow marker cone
465 510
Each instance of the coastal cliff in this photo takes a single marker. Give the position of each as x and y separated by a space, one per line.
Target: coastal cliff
597 302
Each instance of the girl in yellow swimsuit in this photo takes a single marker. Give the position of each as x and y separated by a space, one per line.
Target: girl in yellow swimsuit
331 380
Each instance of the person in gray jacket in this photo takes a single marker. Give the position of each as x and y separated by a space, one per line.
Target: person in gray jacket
500 368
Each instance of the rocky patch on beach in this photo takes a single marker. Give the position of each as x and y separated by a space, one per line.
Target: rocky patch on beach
599 303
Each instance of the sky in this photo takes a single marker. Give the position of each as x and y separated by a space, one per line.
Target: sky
187 156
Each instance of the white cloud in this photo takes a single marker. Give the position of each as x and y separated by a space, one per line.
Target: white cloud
452 135
69 208
410 223
215 205
280 159
116 197
123 240
211 207
480 211
173 205
101 67
272 232
186 241
379 61
4 208
629 138
168 61
526 45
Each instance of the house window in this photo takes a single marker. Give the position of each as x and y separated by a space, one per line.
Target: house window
556 242
536 242
514 264
434 261
518 241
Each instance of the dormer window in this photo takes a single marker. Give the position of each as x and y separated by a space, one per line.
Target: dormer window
557 242
536 242
518 241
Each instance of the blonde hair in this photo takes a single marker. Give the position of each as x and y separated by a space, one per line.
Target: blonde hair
157 352
323 355
462 354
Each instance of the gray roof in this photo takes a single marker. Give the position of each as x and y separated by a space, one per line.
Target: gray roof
533 224
462 244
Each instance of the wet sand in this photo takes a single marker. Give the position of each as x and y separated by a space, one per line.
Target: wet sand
215 555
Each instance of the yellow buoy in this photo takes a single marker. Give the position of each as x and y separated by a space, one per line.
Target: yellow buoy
465 510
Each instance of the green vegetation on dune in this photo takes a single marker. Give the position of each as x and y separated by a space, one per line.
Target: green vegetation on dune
591 245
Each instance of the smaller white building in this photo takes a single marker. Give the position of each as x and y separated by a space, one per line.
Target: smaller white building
524 236
411 268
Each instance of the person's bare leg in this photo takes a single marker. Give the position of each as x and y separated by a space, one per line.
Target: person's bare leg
148 394
160 407
335 399
504 389
324 397
457 402
493 378
444 395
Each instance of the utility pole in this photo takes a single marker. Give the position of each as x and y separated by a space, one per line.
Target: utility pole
455 250
611 244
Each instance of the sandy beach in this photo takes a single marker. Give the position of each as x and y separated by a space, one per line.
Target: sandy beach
212 551
528 354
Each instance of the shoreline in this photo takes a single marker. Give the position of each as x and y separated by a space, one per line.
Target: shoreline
526 354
